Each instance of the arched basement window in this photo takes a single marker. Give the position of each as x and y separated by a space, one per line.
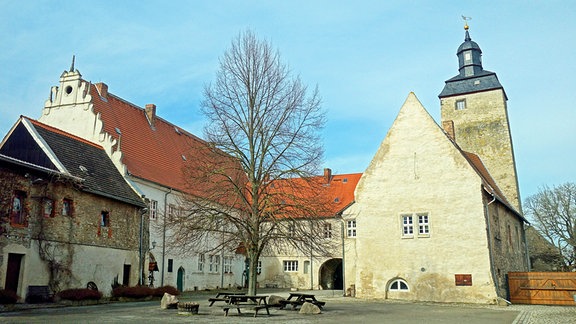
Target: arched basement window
398 285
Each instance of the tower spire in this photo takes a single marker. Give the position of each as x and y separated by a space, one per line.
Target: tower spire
72 66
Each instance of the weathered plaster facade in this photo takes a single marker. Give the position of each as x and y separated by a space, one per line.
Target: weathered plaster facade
416 171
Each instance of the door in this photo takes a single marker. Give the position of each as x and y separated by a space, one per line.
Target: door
13 272
126 277
180 279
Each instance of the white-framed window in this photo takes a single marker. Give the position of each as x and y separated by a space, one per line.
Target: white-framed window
48 207
153 209
201 261
227 262
423 224
171 211
398 285
214 263
407 225
460 104
290 266
306 266
409 221
259 267
291 230
327 230
351 228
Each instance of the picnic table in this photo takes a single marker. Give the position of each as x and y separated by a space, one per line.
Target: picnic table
298 299
223 296
255 303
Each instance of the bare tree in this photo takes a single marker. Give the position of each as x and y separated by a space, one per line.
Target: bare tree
553 212
254 186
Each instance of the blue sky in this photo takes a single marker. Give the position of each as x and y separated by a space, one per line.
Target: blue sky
365 57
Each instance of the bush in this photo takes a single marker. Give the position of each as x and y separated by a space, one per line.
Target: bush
159 292
132 292
80 294
8 297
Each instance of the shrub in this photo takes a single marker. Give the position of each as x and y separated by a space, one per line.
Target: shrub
8 297
80 294
159 292
132 292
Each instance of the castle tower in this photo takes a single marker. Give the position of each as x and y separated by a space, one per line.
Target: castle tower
474 113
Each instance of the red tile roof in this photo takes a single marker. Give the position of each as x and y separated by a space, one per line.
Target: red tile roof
156 153
318 195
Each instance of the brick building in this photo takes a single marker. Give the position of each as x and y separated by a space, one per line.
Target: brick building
68 218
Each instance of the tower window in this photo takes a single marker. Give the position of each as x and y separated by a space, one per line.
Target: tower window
461 104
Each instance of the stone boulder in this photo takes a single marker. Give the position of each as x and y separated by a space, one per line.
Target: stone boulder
274 300
168 301
309 308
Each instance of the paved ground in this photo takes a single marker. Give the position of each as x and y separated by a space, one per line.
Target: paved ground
338 310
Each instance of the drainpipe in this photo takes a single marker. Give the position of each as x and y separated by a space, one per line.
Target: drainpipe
164 235
487 213
342 231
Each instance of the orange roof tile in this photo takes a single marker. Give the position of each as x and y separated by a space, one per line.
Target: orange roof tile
156 153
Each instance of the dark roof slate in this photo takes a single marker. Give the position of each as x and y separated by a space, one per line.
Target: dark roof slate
459 85
80 158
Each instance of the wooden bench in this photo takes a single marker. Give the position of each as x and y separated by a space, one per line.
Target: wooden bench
255 308
39 294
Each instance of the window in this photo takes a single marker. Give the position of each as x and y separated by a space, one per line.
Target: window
327 230
423 226
259 267
291 230
47 207
306 266
171 211
170 265
153 209
407 225
67 207
214 263
398 285
291 266
467 57
351 228
461 104
104 219
227 264
18 216
201 260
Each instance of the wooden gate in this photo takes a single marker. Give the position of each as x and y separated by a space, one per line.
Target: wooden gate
542 288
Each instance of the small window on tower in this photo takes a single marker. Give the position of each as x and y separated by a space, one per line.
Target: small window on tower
460 104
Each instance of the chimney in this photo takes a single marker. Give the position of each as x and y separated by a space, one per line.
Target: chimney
151 113
327 174
102 89
448 126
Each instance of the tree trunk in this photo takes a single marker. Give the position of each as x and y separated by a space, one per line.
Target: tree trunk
252 272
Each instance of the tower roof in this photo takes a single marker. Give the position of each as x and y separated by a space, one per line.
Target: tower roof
472 77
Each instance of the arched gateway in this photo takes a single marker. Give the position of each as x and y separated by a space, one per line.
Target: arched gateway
331 274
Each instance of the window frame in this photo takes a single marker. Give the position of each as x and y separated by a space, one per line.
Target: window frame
290 265
407 221
105 219
423 227
170 265
351 228
201 262
399 283
227 264
48 210
18 218
327 230
67 207
460 104
153 209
